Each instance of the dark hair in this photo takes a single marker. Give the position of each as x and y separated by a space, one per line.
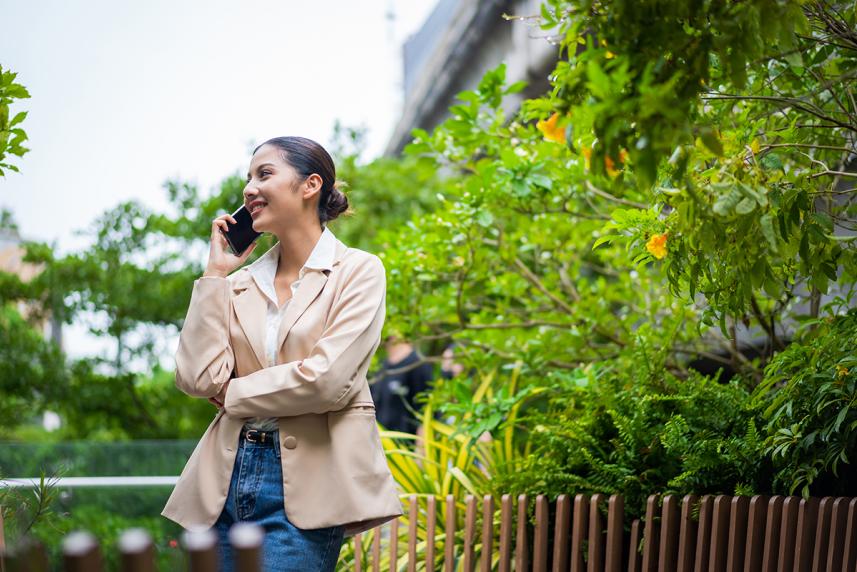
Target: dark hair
308 157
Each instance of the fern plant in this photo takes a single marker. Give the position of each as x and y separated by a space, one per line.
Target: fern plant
640 434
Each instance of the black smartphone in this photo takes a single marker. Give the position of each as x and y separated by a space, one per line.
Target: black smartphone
241 234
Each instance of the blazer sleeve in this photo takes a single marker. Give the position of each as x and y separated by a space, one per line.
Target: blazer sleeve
324 380
204 359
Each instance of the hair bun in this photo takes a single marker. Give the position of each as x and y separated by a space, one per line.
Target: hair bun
337 203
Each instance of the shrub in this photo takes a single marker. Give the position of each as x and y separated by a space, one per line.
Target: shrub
809 402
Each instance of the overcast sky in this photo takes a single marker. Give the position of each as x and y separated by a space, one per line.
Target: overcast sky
126 95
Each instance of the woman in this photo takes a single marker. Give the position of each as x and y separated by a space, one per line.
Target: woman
282 347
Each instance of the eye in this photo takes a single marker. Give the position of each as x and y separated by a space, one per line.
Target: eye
262 174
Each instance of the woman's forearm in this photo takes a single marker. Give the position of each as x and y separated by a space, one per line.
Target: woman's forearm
327 378
205 360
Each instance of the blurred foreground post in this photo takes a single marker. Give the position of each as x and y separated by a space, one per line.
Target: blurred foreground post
201 548
28 556
138 553
80 553
246 539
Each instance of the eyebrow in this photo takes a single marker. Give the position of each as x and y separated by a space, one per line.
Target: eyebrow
259 167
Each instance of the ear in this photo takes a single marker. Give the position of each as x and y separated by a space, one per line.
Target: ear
312 185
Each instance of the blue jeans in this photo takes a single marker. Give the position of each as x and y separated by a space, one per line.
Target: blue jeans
256 495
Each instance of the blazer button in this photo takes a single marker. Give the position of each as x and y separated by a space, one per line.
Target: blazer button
290 442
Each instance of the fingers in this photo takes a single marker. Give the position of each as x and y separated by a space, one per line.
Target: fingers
222 221
216 228
224 228
227 217
221 224
221 259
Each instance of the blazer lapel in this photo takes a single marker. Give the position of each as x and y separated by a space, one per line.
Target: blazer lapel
310 286
307 292
251 309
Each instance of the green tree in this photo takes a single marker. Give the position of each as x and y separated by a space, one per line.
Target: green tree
12 136
737 131
687 176
384 193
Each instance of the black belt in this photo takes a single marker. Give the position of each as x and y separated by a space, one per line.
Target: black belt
257 436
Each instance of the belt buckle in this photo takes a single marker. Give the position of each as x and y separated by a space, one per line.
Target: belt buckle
254 436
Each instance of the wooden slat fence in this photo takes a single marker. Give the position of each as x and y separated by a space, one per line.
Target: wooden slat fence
588 533
575 534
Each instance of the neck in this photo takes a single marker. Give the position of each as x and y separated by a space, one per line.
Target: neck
296 244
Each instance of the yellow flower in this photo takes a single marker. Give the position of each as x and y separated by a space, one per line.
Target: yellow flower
657 245
550 130
841 371
586 152
610 166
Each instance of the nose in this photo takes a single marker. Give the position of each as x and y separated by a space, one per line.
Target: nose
249 192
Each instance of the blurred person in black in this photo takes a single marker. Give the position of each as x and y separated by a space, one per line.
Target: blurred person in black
402 376
449 367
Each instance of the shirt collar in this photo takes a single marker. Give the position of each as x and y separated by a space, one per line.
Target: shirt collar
322 255
264 269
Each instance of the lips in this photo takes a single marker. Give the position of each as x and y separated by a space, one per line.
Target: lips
256 207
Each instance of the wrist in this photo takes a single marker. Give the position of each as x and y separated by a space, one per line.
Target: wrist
211 273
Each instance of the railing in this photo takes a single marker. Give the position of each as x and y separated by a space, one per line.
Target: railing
710 533
81 482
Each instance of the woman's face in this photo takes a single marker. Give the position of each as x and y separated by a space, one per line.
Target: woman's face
275 192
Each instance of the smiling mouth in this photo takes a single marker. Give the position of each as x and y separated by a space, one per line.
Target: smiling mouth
256 206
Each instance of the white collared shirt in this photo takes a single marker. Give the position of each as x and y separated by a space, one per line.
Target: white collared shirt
263 270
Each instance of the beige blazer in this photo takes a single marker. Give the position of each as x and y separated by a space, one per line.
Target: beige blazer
334 468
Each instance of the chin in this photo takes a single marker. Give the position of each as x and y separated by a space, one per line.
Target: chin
259 226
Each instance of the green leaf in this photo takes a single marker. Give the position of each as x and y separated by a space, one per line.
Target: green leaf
516 87
606 238
710 139
758 272
745 206
841 238
19 117
542 181
771 287
823 220
17 91
803 249
725 205
767 225
599 82
547 21
485 218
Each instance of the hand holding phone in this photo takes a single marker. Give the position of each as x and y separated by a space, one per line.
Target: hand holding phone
241 234
232 241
